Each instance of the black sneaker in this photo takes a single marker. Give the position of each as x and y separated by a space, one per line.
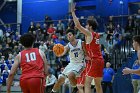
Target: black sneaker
75 90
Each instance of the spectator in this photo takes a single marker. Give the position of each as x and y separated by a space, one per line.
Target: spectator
82 21
118 30
109 40
10 58
60 40
9 43
2 67
45 31
54 37
8 30
9 65
137 23
108 76
50 54
1 81
39 32
51 31
17 36
48 21
130 26
70 24
117 42
110 26
105 53
79 34
1 50
20 47
60 28
5 74
7 51
31 27
50 81
16 50
35 34
43 47
1 35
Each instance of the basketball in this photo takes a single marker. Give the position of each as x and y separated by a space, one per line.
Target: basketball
58 49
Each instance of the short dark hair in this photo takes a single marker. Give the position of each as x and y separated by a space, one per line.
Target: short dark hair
137 39
27 40
70 30
93 23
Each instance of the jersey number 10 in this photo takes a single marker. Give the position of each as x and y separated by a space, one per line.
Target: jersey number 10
30 57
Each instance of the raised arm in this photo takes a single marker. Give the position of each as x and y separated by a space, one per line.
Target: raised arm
77 23
84 47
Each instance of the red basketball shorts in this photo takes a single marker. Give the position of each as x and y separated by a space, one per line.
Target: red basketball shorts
32 85
94 68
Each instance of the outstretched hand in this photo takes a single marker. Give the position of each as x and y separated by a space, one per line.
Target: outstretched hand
126 71
73 7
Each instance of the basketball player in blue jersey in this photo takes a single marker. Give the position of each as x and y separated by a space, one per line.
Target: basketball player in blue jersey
75 48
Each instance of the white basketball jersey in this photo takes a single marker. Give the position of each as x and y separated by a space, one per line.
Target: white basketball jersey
76 53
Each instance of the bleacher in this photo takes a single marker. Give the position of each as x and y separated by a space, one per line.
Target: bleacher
14 88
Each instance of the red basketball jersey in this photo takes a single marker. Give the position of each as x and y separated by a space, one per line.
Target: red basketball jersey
94 49
32 64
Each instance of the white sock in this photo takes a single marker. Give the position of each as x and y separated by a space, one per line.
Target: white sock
53 90
73 86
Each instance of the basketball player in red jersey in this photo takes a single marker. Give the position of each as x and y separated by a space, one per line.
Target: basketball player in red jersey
33 64
95 64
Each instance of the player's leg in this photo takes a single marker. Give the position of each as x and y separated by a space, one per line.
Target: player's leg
61 78
80 89
81 81
76 71
88 77
58 84
98 86
87 85
72 79
98 74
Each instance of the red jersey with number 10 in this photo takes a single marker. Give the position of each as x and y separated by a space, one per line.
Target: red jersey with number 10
94 48
32 64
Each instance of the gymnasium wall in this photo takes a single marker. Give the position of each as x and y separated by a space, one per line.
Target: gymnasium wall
8 13
133 8
101 9
35 10
133 0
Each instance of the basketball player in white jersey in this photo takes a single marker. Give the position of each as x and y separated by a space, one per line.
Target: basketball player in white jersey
75 48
